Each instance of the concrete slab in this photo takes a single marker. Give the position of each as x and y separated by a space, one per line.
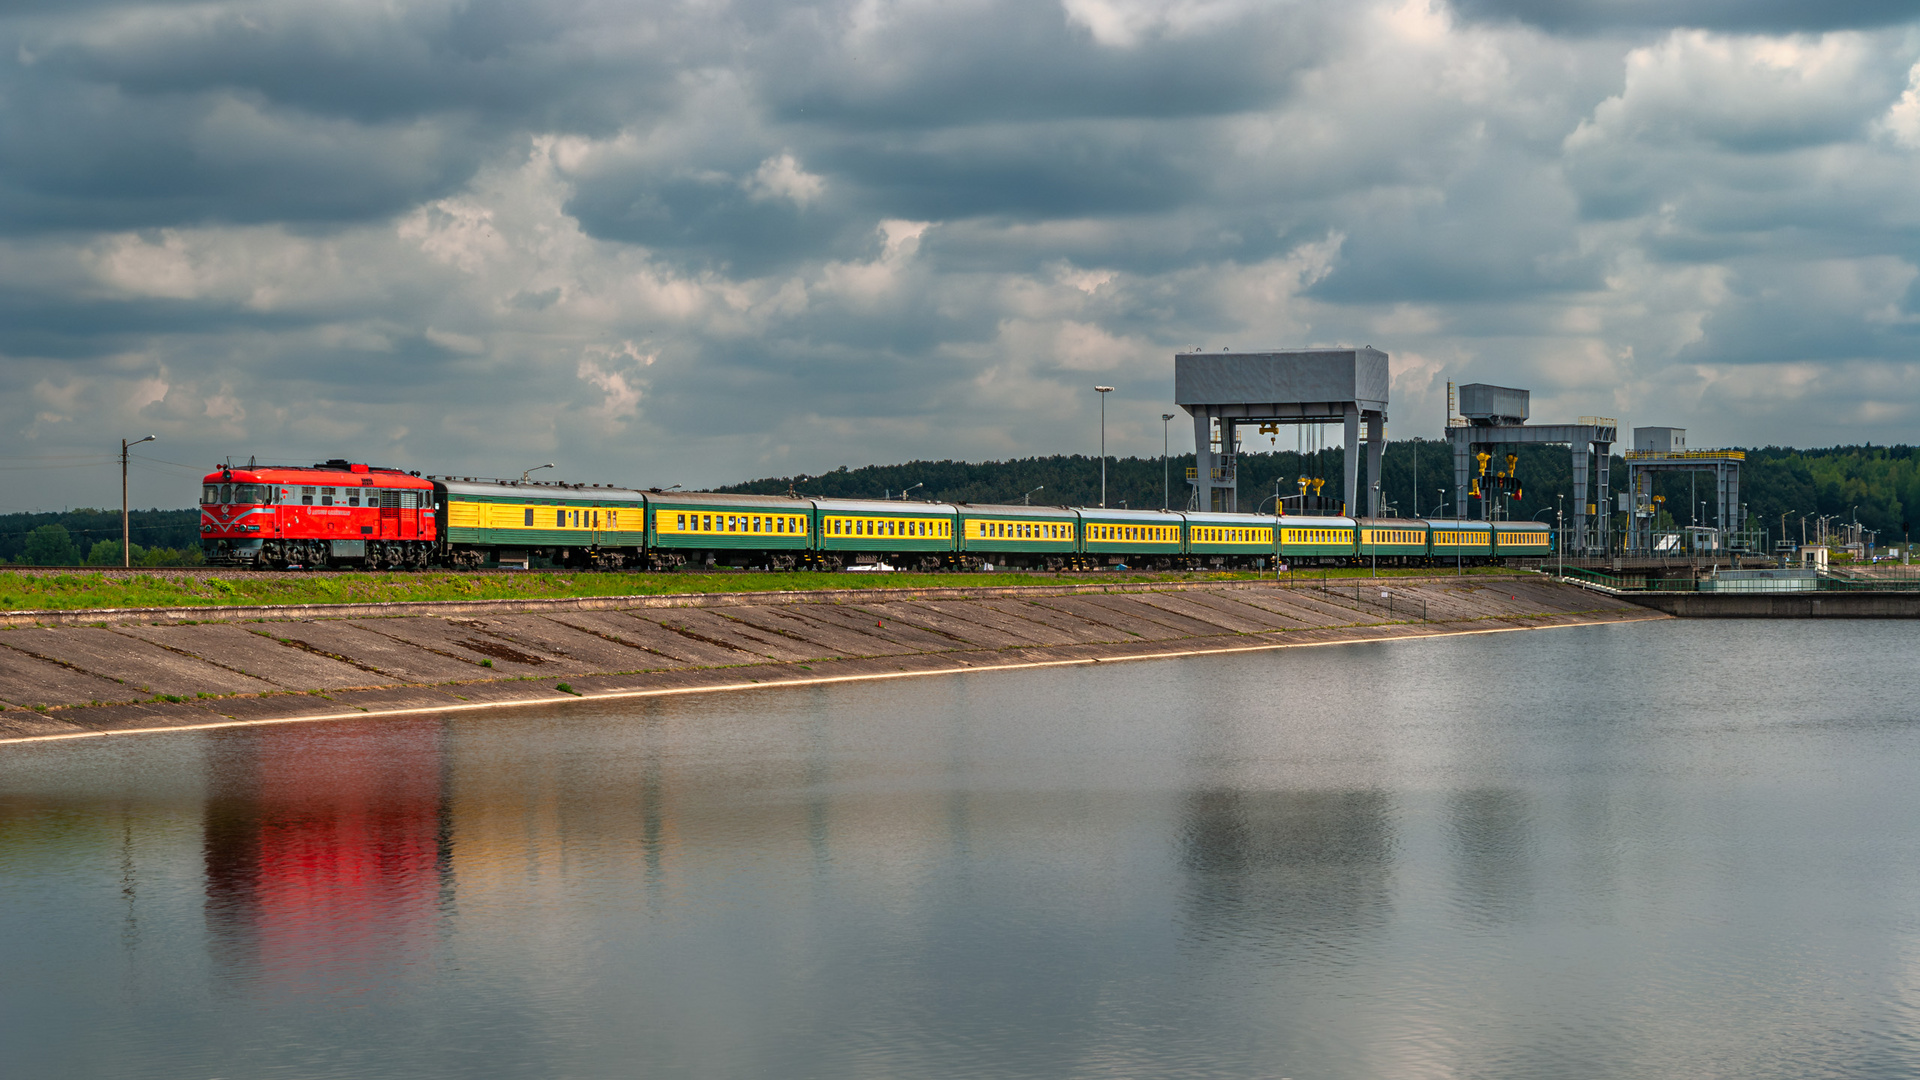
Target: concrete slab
1310 606
395 697
820 640
889 637
240 647
467 639
1269 606
27 680
652 637
708 628
1218 609
1146 607
24 724
134 717
1175 606
1130 626
1049 625
894 612
513 690
138 663
975 622
397 660
587 652
279 707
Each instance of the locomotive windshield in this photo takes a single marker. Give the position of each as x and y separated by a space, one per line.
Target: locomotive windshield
212 494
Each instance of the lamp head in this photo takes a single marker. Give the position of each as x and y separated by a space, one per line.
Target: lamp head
1104 389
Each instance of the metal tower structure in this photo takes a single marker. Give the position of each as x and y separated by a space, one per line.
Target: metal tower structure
1664 449
1304 386
1496 416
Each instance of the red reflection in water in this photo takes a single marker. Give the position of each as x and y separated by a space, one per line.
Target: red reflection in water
325 856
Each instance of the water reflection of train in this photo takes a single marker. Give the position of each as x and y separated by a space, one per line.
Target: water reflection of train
326 856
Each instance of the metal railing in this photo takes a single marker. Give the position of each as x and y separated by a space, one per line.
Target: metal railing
1662 582
1686 455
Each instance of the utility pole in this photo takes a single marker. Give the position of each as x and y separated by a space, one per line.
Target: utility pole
126 533
1103 391
1166 466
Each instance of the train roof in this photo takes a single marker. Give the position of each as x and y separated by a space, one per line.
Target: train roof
1458 524
1391 523
1521 526
1316 521
332 472
534 490
788 503
1055 513
884 506
1161 517
1211 518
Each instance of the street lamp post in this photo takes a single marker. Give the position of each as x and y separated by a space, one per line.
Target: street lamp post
126 532
1027 499
1166 468
1103 391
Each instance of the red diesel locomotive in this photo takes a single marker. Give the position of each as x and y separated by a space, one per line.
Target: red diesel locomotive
334 512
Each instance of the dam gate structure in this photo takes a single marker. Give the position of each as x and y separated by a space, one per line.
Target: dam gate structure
1492 417
1224 390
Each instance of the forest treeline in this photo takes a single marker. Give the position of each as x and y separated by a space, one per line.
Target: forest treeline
75 537
1880 484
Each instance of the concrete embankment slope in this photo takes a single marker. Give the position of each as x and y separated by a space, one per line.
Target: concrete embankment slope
98 673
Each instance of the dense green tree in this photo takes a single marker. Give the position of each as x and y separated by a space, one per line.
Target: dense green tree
50 545
177 529
107 553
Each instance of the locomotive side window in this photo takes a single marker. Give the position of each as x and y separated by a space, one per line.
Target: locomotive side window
559 519
306 496
529 522
326 496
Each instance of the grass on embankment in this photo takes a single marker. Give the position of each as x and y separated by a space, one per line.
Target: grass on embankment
90 590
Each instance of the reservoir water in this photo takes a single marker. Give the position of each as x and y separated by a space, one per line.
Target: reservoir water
1671 849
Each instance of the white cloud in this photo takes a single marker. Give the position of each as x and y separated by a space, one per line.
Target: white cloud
782 178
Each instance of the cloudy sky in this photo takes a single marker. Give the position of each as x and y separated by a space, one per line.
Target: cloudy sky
693 242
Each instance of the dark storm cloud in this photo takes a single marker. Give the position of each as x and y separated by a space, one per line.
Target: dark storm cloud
144 115
940 65
714 220
1748 16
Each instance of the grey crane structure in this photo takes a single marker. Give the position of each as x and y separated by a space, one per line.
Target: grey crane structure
1223 390
1496 416
1664 449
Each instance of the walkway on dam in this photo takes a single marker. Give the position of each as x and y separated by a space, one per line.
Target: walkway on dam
167 672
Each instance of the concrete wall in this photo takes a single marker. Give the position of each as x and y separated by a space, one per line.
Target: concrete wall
1821 605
